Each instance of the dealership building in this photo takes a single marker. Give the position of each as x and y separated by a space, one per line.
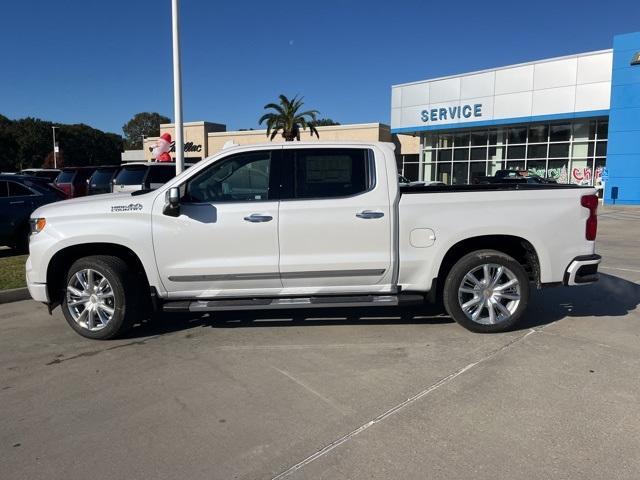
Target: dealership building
574 118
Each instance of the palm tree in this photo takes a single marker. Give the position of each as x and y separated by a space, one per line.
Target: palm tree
286 117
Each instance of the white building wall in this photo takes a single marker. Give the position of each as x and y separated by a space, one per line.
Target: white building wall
557 86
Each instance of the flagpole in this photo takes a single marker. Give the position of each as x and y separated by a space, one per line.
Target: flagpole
177 87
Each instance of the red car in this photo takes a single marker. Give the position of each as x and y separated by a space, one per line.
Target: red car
73 180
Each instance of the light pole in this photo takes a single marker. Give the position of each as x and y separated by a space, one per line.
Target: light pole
55 148
177 86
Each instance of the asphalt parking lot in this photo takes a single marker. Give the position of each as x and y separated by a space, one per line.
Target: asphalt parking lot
385 394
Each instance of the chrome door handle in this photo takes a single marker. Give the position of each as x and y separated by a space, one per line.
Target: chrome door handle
369 214
21 202
257 218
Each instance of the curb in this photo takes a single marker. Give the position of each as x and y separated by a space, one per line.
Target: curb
14 295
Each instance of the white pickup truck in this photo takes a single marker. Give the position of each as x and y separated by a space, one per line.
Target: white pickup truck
303 225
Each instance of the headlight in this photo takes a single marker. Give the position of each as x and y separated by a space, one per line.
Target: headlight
37 225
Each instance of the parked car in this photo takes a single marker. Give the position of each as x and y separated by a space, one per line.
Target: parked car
144 176
101 181
73 180
306 225
49 173
19 196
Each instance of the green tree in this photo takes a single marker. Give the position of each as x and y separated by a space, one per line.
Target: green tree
324 122
287 118
28 142
144 123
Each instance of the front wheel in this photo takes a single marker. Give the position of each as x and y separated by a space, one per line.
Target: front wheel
486 291
101 298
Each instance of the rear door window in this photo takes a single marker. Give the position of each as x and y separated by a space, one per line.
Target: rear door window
331 172
4 189
18 190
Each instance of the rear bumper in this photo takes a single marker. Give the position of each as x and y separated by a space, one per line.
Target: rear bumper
582 270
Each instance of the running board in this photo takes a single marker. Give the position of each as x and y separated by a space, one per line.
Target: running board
292 302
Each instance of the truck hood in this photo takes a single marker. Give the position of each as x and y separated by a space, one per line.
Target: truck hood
107 203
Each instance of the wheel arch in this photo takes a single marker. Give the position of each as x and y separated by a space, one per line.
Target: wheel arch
64 258
517 247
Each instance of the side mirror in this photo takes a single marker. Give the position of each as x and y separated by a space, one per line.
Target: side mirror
172 205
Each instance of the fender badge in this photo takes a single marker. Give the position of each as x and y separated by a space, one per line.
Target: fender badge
132 207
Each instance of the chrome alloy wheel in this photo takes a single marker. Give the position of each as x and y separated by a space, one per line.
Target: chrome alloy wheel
489 294
90 299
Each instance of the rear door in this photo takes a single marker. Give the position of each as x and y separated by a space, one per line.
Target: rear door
225 241
335 221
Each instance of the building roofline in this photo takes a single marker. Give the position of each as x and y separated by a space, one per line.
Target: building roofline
486 70
325 128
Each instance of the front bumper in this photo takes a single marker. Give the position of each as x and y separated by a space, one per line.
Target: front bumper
582 270
37 290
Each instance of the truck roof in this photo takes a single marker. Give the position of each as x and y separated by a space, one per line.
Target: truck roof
320 143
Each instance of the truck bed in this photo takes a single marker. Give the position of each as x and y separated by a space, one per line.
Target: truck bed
487 187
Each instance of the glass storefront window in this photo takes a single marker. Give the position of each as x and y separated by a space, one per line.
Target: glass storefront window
444 155
494 166
538 167
479 138
584 131
497 137
516 152
537 151
517 135
443 173
582 150
568 152
560 133
461 139
429 172
445 141
461 154
515 165
581 172
411 171
477 170
479 153
459 176
559 170
496 153
558 150
429 156
597 175
603 127
538 133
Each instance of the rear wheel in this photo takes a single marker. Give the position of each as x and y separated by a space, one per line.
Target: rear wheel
101 298
486 291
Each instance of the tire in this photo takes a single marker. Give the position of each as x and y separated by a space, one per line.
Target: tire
506 293
108 312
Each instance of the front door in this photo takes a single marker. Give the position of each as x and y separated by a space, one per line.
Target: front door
335 222
225 241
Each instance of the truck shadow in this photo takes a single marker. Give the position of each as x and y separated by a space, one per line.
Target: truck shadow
610 297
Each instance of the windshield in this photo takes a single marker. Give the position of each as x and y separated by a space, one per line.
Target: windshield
132 175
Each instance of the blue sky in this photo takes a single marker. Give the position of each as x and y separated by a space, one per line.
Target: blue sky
99 63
